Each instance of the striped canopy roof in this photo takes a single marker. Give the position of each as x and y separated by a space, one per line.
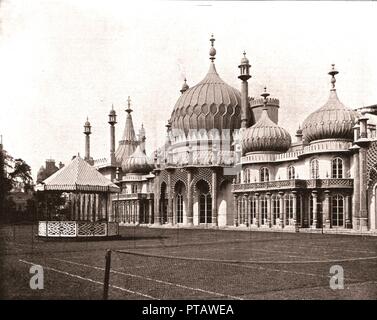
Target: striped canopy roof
78 176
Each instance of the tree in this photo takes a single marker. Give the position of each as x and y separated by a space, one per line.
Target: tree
22 173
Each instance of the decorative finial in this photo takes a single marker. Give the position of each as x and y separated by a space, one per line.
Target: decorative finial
184 86
212 51
112 106
265 94
129 110
333 73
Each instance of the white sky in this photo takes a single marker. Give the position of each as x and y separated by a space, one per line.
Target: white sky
61 61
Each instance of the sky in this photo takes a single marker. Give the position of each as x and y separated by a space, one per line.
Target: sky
63 61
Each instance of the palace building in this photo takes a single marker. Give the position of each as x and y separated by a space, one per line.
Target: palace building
227 162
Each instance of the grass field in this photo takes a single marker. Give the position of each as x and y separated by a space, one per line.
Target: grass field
190 264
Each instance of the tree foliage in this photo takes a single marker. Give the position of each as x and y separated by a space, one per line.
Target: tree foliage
22 173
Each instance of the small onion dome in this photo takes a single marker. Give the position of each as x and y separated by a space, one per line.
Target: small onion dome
138 162
265 135
333 120
112 112
244 60
87 123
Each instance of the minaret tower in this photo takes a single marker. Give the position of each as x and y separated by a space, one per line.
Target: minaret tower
112 122
87 132
244 76
142 138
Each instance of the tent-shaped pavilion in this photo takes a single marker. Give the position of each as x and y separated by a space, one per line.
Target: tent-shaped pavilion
89 200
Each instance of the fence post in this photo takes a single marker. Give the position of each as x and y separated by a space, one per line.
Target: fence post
107 274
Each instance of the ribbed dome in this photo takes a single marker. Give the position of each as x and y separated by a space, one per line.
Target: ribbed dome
265 135
210 104
138 162
333 120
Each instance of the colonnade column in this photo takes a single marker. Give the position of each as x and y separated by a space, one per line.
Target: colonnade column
363 188
170 201
137 213
326 210
294 208
239 208
269 211
150 211
281 208
356 190
190 220
314 195
347 207
214 198
235 206
248 210
257 209
157 193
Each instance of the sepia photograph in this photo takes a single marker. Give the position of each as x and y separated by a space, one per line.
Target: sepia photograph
197 152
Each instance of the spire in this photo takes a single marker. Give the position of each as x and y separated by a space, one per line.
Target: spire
129 141
333 73
129 110
212 50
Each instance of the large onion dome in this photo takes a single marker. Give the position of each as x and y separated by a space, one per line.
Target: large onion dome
210 104
138 162
332 121
265 135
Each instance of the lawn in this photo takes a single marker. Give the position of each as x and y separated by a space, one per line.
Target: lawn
190 264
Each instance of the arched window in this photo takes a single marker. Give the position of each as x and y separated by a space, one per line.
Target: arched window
179 207
263 204
205 202
337 211
337 168
314 169
291 172
264 175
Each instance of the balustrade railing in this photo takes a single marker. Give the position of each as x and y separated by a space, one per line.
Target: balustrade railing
294 184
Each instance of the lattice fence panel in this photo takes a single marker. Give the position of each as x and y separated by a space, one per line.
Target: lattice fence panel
91 229
61 228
